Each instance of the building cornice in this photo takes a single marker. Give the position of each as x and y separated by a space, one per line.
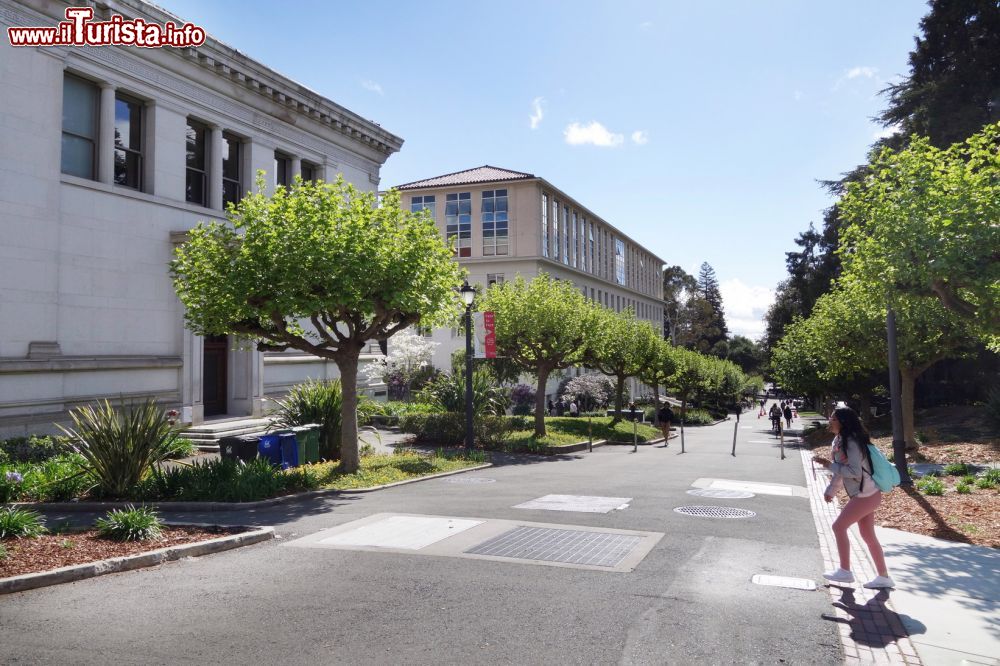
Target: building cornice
227 64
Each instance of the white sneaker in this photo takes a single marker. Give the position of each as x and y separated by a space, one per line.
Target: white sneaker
879 582
839 576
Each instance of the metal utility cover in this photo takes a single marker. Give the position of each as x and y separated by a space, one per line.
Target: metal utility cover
714 512
581 503
784 581
405 532
720 493
557 545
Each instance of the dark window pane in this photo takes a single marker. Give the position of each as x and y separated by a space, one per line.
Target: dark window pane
79 107
128 168
196 146
231 157
128 124
77 156
308 173
230 192
195 187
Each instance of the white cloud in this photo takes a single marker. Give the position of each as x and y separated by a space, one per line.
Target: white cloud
646 25
536 112
640 137
745 307
886 132
595 133
372 86
866 72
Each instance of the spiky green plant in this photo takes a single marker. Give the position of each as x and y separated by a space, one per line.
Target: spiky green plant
121 445
130 524
447 393
314 402
20 523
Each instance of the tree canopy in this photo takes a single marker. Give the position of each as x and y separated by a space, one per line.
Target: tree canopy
321 268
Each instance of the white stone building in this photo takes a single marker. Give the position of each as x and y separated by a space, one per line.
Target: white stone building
108 155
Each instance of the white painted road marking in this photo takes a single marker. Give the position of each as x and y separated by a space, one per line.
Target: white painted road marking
406 532
784 581
581 503
752 487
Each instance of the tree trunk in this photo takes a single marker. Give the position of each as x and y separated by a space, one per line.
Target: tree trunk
543 379
618 400
656 404
349 457
908 380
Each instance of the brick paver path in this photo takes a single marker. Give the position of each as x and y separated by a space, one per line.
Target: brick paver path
870 629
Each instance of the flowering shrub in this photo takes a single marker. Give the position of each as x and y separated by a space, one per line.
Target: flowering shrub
589 391
522 399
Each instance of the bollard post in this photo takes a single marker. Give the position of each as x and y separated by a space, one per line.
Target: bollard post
781 432
635 435
590 432
735 427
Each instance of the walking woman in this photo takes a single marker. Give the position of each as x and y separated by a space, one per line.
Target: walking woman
850 468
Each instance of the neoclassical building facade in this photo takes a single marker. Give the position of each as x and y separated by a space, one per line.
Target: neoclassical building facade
108 156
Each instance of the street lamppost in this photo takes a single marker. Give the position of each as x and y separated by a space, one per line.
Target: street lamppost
468 295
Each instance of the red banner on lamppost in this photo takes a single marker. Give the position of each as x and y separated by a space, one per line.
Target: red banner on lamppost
484 325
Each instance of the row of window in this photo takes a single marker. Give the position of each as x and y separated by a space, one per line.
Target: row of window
617 302
582 246
493 209
81 136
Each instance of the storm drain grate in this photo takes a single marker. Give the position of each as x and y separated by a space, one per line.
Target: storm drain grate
599 549
719 493
469 480
714 512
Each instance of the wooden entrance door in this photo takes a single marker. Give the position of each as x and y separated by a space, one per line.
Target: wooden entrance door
214 372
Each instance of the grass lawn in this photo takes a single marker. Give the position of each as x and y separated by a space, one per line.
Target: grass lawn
379 470
566 430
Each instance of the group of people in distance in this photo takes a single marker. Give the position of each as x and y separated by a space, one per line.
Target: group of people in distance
785 409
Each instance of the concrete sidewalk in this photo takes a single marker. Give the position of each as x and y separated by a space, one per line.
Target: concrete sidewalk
945 609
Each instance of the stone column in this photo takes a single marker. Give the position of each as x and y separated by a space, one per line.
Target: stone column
296 168
215 168
106 135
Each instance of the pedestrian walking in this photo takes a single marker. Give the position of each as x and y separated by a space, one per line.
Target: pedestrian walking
552 408
665 415
850 468
574 410
788 416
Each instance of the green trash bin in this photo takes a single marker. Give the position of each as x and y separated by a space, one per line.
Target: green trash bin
308 439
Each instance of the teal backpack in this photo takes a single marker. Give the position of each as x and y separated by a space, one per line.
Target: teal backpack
884 473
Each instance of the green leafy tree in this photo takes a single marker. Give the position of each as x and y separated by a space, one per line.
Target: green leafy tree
690 377
656 369
678 286
926 222
321 268
745 353
543 325
620 346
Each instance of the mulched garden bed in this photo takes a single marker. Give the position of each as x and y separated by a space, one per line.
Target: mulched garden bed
52 551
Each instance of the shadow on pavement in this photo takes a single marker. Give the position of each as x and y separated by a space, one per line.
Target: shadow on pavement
872 623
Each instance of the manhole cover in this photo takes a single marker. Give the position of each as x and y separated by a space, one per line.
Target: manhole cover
469 480
718 493
715 512
600 549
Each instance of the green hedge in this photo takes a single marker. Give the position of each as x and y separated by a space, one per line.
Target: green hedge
448 429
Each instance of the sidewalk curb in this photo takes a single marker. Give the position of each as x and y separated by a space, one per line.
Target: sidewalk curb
168 507
129 562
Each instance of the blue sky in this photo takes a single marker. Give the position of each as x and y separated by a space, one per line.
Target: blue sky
700 129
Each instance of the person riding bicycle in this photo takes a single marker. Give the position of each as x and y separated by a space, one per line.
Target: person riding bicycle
775 415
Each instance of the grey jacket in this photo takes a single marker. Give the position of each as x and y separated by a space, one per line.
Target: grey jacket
849 466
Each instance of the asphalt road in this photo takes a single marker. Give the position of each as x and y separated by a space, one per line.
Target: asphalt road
690 601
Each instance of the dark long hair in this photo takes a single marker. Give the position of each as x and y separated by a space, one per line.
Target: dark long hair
851 427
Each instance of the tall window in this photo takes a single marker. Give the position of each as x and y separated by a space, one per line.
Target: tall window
590 231
426 202
232 182
565 234
128 142
196 164
495 238
458 222
555 230
545 225
620 262
79 127
574 242
308 172
282 170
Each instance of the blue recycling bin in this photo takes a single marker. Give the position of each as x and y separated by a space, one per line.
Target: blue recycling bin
289 450
269 447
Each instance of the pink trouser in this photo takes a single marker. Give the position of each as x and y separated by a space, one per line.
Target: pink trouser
860 510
